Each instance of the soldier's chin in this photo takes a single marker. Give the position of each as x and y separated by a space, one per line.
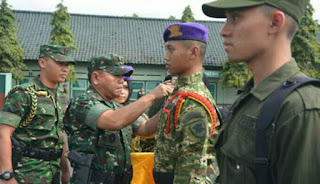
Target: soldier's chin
62 79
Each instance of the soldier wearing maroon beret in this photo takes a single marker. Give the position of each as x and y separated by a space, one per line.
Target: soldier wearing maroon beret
189 117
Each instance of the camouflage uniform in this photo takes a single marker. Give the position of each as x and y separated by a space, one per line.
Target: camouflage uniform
111 149
45 128
186 150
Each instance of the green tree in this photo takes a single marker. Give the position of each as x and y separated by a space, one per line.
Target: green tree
11 53
234 75
305 45
187 15
135 15
61 34
172 17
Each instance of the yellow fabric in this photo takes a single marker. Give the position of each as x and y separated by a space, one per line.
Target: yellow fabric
142 168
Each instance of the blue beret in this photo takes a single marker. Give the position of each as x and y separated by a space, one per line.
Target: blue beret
186 31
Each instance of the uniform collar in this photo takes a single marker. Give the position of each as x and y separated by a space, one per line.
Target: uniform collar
190 79
41 87
273 81
95 94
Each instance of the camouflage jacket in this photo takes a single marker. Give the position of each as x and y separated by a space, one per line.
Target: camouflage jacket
186 150
44 129
111 148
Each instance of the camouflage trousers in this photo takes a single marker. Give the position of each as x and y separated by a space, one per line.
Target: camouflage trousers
35 171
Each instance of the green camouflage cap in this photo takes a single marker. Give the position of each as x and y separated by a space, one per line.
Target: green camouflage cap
295 8
57 52
111 63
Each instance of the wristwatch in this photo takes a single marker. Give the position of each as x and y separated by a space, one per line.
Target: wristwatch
6 175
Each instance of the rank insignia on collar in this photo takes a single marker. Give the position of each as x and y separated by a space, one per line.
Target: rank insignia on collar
175 31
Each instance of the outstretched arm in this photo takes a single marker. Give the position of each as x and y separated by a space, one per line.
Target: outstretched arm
120 118
149 127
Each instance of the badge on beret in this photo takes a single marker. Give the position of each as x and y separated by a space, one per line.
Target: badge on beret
175 31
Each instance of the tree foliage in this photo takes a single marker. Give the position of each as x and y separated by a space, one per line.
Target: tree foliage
305 49
135 15
187 15
172 17
234 75
11 53
61 34
305 45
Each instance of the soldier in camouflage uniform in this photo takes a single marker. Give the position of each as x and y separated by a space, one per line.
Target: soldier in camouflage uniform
186 125
97 126
33 114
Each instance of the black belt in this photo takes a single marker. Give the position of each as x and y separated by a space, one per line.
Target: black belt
47 155
163 177
111 177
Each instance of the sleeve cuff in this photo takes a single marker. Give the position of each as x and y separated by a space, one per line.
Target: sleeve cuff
11 119
94 113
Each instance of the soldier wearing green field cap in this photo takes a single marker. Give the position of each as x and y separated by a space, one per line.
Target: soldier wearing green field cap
32 116
97 126
259 33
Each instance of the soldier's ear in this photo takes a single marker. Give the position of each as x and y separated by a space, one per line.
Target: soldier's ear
277 22
95 77
42 63
195 51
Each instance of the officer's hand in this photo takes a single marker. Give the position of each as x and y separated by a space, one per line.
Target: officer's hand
171 81
11 181
162 90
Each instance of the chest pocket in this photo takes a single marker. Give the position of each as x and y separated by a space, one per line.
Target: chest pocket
240 144
109 139
45 116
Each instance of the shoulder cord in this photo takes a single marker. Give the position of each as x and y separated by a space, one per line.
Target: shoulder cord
194 96
34 104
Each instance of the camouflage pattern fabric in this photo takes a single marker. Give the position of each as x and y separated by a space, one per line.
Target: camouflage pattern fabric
111 63
42 132
111 148
186 150
57 52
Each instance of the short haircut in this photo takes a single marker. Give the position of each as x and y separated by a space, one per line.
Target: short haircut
291 24
189 43
89 74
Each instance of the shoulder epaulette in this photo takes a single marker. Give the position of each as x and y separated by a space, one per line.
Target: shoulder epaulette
196 97
14 89
21 86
